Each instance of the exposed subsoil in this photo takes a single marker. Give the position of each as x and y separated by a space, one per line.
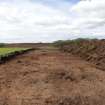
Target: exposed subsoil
50 77
92 51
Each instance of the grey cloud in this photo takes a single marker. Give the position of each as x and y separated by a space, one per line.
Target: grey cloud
47 24
93 24
96 25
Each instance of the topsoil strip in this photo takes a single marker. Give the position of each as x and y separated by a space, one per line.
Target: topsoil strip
12 55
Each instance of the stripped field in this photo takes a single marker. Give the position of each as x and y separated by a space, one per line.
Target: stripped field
51 77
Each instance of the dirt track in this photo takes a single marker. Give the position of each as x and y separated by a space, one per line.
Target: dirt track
50 77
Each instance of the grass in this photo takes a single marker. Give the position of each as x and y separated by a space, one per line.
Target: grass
5 51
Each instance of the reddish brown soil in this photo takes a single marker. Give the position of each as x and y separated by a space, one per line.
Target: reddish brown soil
90 50
50 77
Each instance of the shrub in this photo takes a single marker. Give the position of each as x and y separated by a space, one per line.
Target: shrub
2 44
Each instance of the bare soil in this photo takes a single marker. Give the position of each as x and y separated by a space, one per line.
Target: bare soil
92 51
50 77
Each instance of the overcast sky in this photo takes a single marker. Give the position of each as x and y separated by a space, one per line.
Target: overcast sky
49 20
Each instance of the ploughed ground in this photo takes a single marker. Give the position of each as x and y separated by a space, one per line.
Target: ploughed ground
51 77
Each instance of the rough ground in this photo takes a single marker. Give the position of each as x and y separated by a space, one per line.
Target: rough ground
51 77
91 50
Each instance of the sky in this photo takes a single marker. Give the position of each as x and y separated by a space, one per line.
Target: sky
50 20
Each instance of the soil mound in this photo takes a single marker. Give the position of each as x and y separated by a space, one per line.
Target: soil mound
90 50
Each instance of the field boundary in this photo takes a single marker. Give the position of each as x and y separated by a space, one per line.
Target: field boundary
10 56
